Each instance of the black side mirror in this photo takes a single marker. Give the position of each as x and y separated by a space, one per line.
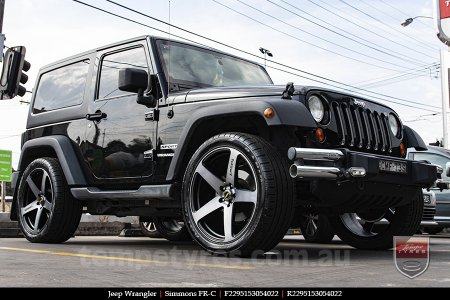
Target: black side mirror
136 81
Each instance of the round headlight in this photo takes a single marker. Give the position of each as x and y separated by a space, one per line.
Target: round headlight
316 108
394 124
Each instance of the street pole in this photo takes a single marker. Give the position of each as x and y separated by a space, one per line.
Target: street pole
445 94
3 196
2 10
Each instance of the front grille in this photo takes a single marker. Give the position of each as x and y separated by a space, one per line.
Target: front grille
362 128
428 213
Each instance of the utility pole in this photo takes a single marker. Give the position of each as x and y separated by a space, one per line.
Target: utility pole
2 36
445 94
2 10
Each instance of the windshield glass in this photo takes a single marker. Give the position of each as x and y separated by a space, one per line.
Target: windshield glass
191 66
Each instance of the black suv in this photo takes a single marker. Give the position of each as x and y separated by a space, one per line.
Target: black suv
157 128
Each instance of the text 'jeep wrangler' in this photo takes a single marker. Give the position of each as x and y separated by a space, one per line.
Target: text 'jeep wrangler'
161 129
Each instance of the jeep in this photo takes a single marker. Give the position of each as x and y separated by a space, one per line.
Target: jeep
203 143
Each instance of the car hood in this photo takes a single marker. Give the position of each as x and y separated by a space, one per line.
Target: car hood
230 92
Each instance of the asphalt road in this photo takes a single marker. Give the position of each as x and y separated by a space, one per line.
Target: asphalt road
144 262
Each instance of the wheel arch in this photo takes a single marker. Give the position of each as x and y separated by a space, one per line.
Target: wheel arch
245 117
57 146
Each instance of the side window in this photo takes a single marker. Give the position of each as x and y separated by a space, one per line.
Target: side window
62 87
434 159
112 63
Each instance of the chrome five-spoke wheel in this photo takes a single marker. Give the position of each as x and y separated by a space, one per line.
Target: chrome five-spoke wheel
230 194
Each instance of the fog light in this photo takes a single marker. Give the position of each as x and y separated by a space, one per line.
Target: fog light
269 113
402 150
320 135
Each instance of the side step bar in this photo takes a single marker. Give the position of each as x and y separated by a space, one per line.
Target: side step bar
145 192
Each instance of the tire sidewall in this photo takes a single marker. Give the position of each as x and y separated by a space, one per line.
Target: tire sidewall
207 147
405 223
56 193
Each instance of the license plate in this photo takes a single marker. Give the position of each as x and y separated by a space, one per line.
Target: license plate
392 167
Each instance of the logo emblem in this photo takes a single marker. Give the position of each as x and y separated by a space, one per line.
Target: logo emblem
411 255
359 103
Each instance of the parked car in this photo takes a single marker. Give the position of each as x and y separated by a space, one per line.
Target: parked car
438 156
118 131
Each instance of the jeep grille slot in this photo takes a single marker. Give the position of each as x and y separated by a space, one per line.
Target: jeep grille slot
362 128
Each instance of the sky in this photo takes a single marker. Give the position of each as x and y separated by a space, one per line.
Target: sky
360 43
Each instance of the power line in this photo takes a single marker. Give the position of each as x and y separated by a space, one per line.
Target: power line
386 25
259 57
357 40
393 81
309 43
334 13
315 36
435 65
390 77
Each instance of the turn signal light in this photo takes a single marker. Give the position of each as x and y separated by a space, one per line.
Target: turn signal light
269 113
320 135
402 150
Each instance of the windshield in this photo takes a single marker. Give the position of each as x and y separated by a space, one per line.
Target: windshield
189 66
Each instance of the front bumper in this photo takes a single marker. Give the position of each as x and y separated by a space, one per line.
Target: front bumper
343 165
341 180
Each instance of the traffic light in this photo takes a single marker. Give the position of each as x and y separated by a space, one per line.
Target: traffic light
13 73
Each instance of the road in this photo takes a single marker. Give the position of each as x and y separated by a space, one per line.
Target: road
143 262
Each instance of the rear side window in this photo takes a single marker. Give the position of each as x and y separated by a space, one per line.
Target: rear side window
112 64
62 87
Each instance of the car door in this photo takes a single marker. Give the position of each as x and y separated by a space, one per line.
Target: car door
118 132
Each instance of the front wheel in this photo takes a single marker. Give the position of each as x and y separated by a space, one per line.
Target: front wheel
375 229
237 195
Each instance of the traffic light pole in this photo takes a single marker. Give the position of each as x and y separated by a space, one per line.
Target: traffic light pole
2 10
445 94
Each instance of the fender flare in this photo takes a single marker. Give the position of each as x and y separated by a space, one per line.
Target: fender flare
65 153
413 139
287 113
67 158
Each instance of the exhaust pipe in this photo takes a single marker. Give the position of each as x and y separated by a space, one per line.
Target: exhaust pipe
297 171
314 154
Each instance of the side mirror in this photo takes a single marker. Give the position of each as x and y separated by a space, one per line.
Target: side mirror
136 81
447 169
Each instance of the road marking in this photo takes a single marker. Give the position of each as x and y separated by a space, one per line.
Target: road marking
81 255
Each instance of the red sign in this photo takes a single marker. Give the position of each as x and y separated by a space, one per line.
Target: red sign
444 8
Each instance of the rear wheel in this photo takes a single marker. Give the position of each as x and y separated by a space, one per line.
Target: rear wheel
237 195
172 229
46 209
363 230
148 228
316 228
433 230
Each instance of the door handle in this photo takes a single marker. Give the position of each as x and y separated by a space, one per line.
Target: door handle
97 116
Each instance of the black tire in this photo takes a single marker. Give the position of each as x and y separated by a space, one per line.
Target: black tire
433 230
402 221
255 206
47 212
172 229
148 228
316 228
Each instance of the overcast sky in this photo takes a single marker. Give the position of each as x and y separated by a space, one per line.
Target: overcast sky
358 45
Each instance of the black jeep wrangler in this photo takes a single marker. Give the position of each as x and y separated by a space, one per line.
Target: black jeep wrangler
170 131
